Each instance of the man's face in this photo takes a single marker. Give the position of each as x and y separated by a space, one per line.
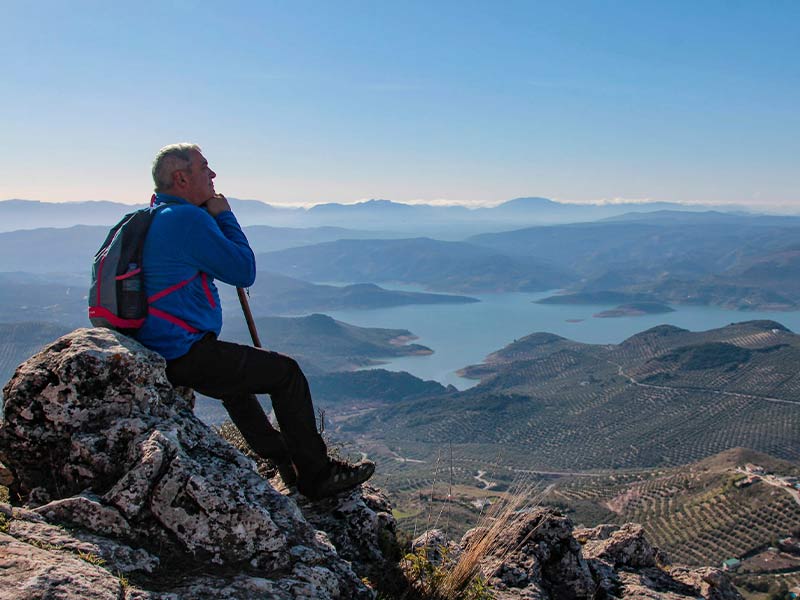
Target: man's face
199 178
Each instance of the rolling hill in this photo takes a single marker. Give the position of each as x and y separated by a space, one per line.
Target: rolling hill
70 249
735 261
437 265
661 398
322 344
274 294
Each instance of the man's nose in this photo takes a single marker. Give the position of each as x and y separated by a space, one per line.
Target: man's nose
213 174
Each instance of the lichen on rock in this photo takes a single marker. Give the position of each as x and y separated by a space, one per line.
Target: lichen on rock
96 439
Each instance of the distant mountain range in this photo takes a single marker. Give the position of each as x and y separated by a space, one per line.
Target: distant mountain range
375 215
437 265
736 261
732 260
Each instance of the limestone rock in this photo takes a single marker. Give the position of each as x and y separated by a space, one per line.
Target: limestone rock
623 546
33 573
361 527
435 543
30 527
709 582
539 556
88 512
72 410
96 438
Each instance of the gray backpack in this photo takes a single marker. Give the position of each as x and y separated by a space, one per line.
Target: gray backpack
117 298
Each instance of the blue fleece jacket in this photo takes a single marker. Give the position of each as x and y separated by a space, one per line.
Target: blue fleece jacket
186 244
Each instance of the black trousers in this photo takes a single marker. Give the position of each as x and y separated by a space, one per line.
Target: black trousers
234 373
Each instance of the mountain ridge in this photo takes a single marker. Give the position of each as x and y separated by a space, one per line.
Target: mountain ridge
26 214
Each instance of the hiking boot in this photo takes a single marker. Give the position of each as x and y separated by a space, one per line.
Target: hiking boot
287 472
340 476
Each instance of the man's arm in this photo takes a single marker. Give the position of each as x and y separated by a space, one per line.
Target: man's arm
216 244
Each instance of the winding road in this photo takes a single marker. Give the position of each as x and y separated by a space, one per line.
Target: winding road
622 373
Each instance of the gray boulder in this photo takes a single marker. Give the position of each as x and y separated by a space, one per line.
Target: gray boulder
96 438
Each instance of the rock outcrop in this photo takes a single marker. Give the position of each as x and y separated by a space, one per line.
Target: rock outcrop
120 492
540 556
155 504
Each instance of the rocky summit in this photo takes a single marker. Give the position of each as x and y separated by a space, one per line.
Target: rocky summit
118 491
97 440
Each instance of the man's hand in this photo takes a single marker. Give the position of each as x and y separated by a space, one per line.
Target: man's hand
217 204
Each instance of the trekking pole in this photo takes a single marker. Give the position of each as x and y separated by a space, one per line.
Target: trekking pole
248 316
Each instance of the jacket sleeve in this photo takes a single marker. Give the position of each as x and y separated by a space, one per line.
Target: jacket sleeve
218 246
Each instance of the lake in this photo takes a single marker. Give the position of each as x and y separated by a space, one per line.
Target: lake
463 334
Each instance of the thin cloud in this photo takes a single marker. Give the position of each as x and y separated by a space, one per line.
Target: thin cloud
605 201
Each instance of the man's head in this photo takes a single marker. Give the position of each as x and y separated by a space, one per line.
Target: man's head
182 170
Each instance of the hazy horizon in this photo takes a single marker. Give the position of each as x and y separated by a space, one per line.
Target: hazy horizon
767 208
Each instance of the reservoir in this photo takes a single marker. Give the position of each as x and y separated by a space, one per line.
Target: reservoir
464 334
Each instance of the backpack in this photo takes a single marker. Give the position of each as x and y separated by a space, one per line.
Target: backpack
117 298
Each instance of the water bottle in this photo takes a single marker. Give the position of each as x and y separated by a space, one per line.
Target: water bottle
131 299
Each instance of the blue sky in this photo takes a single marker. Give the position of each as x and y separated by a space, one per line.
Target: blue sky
473 102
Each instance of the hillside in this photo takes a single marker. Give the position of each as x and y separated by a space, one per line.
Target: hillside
437 265
662 398
635 309
696 513
69 249
711 258
701 513
371 387
735 261
52 298
51 250
320 343
274 294
264 238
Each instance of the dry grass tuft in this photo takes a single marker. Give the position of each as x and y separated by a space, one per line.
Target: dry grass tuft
460 578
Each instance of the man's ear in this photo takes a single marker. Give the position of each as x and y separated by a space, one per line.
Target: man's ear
178 179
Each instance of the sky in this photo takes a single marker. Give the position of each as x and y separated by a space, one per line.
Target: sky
443 102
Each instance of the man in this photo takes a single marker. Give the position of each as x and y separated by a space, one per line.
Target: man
193 240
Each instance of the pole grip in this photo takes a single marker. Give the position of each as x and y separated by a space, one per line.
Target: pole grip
248 316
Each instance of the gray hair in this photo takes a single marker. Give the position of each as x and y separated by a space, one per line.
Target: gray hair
170 159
